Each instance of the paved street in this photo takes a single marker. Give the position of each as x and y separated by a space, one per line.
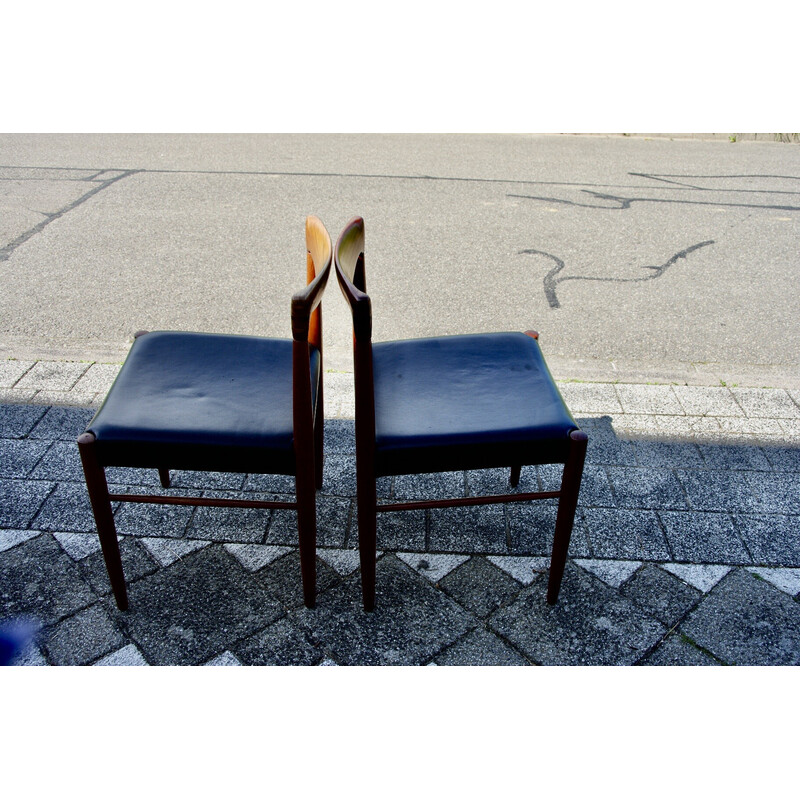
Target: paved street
661 275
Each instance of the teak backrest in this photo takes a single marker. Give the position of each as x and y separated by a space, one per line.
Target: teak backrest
351 274
306 314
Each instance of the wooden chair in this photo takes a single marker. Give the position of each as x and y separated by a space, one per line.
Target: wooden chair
219 403
452 403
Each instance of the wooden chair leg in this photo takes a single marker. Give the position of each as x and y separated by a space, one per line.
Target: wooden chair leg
97 487
307 532
570 488
367 527
516 471
319 437
163 475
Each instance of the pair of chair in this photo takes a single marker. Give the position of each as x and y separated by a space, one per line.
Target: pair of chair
215 402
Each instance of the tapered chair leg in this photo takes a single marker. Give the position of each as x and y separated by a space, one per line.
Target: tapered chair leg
570 488
319 437
97 487
163 475
307 531
516 471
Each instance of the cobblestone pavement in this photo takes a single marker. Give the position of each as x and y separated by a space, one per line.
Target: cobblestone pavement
686 548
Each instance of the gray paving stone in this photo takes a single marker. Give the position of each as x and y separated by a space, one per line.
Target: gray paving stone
78 545
270 484
620 533
254 557
20 500
11 371
31 656
783 459
474 529
717 490
83 638
660 594
484 482
396 530
133 476
612 572
282 644
226 659
708 538
61 462
591 624
605 447
771 538
590 398
786 579
678 651
145 519
701 576
97 379
19 457
734 457
667 454
532 527
64 424
333 522
244 525
17 421
595 488
771 403
222 481
644 399
39 580
345 562
339 475
747 621
775 493
340 436
433 566
67 509
59 376
429 486
11 538
187 613
715 401
136 563
524 569
411 623
282 579
128 656
480 648
479 586
167 551
646 488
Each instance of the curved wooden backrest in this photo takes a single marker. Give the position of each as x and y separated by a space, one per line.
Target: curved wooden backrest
306 316
348 256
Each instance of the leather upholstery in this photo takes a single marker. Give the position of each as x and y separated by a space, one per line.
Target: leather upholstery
202 401
466 402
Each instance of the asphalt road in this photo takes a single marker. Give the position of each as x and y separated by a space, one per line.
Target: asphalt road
649 252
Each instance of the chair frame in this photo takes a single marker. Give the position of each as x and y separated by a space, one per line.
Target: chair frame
352 282
306 316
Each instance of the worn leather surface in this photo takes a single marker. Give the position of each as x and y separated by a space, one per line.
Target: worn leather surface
466 402
202 401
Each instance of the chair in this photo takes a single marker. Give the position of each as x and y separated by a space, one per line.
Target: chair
221 403
452 403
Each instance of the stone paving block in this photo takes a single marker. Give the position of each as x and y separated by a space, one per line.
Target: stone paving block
167 551
187 613
733 457
340 437
17 397
532 527
254 557
83 638
282 579
791 431
635 425
39 580
396 530
333 521
595 488
787 580
771 403
484 482
64 424
62 462
11 371
473 529
776 493
20 500
614 573
704 401
146 519
433 566
783 459
591 624
429 486
11 538
480 648
717 490
17 421
689 428
752 431
128 656
97 379
282 644
590 398
667 454
646 488
136 563
644 399
244 525
524 569
221 481
660 594
82 400
19 457
270 484
345 562
480 587
411 623
339 475
708 538
226 659
57 376
771 538
67 509
747 621
78 545
620 533
701 576
31 656
678 651
605 447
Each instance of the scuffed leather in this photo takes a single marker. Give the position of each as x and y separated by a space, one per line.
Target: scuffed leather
466 402
202 401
